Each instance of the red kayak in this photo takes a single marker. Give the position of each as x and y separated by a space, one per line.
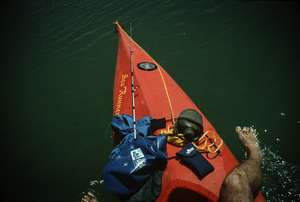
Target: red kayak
159 96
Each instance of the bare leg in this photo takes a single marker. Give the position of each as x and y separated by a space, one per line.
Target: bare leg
243 183
252 166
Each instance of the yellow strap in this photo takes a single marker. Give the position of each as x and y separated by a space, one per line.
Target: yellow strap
213 147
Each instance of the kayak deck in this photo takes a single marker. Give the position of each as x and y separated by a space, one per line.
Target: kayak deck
159 96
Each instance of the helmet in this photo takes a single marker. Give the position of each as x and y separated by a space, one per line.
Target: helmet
189 123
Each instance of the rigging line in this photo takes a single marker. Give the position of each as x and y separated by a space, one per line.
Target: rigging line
167 94
132 84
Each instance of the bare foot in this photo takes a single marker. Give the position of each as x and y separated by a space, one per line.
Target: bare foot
89 197
247 135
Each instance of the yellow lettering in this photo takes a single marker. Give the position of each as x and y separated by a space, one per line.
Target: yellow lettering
122 92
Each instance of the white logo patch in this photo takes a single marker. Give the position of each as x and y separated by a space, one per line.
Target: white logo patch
188 151
138 158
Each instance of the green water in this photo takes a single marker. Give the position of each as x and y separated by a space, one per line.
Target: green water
238 61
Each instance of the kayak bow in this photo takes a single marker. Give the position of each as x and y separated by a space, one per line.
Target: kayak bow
157 95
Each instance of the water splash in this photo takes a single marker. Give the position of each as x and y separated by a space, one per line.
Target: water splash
94 187
280 182
282 114
96 182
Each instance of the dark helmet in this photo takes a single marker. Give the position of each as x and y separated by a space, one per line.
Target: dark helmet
189 123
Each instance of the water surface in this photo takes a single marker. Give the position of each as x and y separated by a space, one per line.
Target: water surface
238 61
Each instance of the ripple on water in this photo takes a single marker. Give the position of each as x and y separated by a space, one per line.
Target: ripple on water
280 182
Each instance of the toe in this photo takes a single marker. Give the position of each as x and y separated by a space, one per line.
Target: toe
245 129
238 129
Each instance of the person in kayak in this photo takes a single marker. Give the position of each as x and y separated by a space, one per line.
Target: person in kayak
243 182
